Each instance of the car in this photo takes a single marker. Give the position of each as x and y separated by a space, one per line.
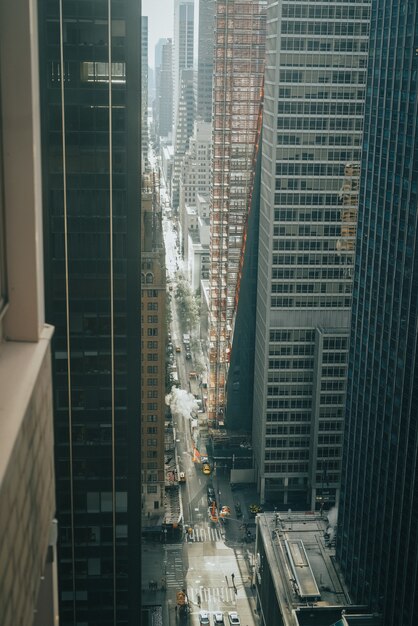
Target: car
238 509
211 495
203 618
188 356
234 618
210 491
178 349
218 618
182 477
206 469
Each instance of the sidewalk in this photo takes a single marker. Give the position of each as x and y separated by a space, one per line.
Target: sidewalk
153 579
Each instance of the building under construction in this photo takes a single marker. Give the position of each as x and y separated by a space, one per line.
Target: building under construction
240 27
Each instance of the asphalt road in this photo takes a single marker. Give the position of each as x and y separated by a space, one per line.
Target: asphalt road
211 553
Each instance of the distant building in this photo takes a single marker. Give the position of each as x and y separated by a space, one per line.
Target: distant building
194 173
167 156
295 577
28 530
204 74
182 132
377 539
183 42
153 311
312 133
144 90
158 61
165 92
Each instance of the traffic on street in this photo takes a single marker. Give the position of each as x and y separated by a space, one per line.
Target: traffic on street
216 548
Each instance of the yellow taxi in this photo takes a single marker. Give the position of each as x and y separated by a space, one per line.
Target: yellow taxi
206 469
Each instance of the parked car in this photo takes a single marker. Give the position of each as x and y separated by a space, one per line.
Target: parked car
234 618
238 510
218 618
211 495
182 477
203 618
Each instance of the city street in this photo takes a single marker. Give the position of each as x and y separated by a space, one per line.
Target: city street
215 562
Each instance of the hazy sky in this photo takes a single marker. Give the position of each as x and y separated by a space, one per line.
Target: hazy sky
160 22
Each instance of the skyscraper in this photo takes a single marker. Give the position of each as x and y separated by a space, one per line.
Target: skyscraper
182 132
203 77
144 89
28 563
153 312
91 146
165 91
312 131
377 538
183 41
158 58
237 91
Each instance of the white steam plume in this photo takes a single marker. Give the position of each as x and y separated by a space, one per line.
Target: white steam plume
181 402
333 516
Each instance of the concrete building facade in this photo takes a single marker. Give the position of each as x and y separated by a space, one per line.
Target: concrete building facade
28 529
182 132
315 76
183 48
153 352
194 174
144 90
165 92
204 74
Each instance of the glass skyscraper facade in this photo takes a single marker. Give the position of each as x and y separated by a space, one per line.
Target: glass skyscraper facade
90 93
312 131
377 537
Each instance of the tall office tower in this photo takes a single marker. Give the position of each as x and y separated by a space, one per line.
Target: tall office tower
91 135
195 173
28 563
312 131
144 89
240 27
153 351
165 91
158 57
377 536
182 132
183 40
203 76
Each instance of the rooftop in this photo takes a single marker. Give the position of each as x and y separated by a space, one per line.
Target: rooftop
301 559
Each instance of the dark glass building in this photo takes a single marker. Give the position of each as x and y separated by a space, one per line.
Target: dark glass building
377 540
90 93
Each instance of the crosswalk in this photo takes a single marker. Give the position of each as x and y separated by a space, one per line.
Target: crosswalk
212 597
200 534
174 569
